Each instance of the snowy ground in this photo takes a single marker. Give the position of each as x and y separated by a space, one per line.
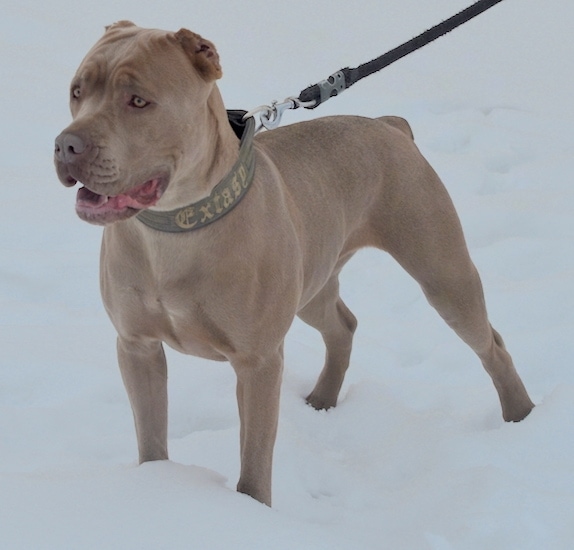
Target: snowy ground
416 456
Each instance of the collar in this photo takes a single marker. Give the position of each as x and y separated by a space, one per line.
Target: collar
224 196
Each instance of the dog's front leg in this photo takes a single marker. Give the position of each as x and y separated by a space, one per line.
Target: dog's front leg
144 372
258 392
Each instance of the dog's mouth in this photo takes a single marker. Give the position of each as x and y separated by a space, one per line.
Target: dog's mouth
104 209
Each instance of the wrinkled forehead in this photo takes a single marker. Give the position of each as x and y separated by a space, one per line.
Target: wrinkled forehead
133 55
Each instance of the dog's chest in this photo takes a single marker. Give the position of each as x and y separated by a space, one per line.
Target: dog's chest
182 322
167 308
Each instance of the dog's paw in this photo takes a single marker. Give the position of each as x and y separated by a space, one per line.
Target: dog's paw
319 402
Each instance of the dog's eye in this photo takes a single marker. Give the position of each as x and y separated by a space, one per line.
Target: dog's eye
138 102
76 92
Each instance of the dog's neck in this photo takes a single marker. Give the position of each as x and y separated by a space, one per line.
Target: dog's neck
222 198
225 143
211 154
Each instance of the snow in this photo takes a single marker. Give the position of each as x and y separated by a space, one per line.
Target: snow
416 455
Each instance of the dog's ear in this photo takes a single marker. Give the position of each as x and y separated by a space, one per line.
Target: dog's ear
119 25
202 54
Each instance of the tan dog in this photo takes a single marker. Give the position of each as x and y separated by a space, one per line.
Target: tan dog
150 134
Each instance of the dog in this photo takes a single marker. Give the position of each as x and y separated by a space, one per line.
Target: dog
214 239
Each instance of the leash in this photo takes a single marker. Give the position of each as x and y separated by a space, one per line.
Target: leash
313 96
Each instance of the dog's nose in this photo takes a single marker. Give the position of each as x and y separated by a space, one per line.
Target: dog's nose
70 147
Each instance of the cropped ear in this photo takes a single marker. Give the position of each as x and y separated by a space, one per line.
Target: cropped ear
119 25
201 52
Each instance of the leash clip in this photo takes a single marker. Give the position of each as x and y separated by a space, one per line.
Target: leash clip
270 115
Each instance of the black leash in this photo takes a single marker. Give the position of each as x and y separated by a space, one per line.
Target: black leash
318 93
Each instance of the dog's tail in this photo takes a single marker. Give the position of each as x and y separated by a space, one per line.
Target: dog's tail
398 123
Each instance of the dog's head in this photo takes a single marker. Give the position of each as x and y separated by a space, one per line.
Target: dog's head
134 100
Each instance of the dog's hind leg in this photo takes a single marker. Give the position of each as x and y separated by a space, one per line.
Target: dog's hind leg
332 318
460 302
424 235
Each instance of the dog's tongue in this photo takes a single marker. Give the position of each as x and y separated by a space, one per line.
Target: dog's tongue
140 197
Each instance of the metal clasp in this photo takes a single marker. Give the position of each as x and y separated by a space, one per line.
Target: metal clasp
270 115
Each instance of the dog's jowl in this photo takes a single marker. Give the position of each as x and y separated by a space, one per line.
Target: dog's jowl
155 156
